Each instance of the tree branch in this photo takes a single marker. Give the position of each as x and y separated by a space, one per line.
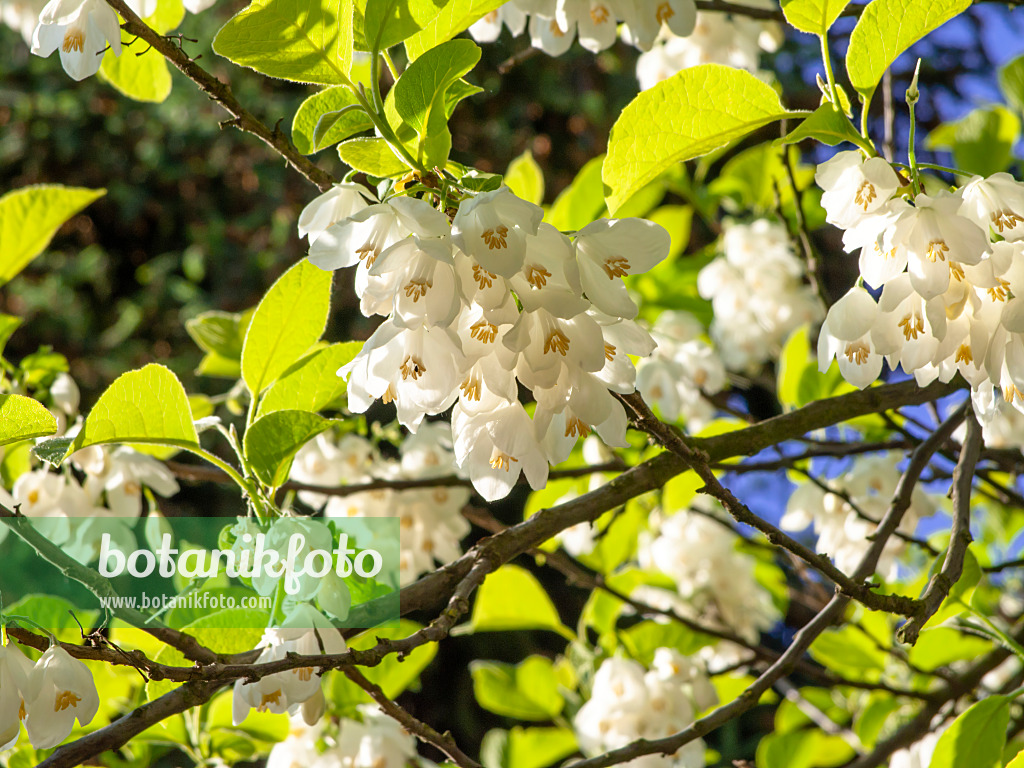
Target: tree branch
960 537
220 92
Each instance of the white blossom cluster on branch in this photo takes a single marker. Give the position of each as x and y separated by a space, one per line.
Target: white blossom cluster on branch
482 304
374 741
716 583
950 270
759 294
430 519
628 703
681 371
845 520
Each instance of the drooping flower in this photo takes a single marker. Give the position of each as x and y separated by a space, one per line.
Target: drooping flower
82 30
336 204
60 690
492 228
14 672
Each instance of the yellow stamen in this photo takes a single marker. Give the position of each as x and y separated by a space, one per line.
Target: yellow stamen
417 289
483 278
857 352
937 250
963 354
664 13
501 461
865 194
599 14
74 40
64 700
616 266
537 276
495 238
483 331
912 325
576 428
269 698
1005 220
557 342
609 352
411 367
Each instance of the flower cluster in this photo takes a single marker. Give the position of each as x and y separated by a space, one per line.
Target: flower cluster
628 703
481 304
374 741
296 691
950 269
759 294
430 519
715 581
47 696
681 371
844 524
717 38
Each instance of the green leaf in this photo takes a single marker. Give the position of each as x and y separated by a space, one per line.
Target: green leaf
886 29
981 142
826 124
525 178
53 451
688 115
813 16
144 406
420 95
1011 82
22 418
456 16
220 332
319 122
976 738
8 325
142 77
272 441
512 598
31 216
1018 761
528 691
581 202
538 747
371 156
313 383
802 749
399 19
287 322
645 638
848 650
799 381
308 41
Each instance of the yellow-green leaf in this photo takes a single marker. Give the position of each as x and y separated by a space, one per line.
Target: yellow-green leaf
273 440
688 115
31 216
886 29
144 77
512 598
22 418
144 406
814 16
454 17
371 156
525 178
287 322
313 383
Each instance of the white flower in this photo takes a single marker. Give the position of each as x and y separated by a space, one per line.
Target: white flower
14 673
548 36
495 445
82 29
646 19
854 186
549 277
21 16
607 250
595 21
121 473
996 202
421 281
846 336
60 690
546 344
303 632
334 205
492 228
376 742
919 754
488 28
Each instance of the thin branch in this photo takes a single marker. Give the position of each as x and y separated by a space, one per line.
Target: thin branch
220 92
960 536
443 741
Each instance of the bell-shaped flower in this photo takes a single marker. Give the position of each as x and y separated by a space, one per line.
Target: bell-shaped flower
479 285
609 249
377 741
492 228
577 403
336 204
495 445
121 473
545 343
304 631
854 186
364 235
60 689
422 281
82 30
937 240
646 18
909 328
596 21
488 28
623 339
14 673
996 202
846 336
418 368
548 36
549 277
